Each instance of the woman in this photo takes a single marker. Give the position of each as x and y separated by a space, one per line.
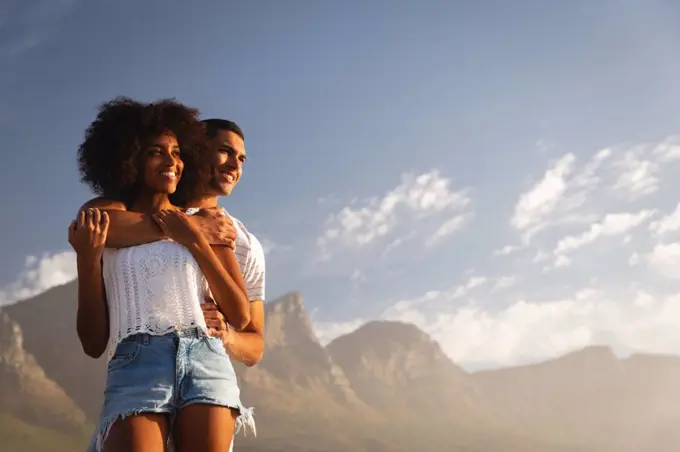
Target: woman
166 376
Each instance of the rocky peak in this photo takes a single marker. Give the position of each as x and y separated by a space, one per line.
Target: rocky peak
395 365
293 352
595 355
25 390
399 350
287 322
11 341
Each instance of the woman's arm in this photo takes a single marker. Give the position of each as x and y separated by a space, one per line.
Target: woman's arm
87 236
92 321
229 295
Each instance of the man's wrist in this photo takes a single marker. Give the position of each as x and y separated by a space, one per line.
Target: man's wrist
227 339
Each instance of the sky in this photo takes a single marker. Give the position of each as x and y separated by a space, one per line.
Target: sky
502 174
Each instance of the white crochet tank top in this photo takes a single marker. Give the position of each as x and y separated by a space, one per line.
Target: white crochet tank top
155 288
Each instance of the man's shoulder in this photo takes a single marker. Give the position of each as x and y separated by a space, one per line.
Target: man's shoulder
252 241
242 229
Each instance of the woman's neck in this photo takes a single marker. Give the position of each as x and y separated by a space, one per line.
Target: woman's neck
151 202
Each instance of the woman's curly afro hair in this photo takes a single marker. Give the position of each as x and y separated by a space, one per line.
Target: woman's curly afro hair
111 156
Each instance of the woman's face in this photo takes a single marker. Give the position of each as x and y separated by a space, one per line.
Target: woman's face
162 167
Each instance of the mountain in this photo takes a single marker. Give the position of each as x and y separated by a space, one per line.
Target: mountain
397 367
35 412
591 395
384 387
49 334
19 436
26 392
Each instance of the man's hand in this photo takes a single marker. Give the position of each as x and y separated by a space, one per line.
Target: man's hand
217 228
87 234
176 225
216 323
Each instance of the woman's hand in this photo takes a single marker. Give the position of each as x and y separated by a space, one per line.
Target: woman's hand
87 234
176 225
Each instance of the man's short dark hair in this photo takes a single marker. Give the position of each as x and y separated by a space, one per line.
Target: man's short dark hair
214 125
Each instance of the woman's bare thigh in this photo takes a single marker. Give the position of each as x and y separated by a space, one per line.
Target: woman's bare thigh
204 428
147 432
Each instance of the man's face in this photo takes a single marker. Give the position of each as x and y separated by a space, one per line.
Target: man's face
229 154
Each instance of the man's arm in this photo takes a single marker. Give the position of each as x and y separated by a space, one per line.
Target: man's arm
245 346
126 228
133 228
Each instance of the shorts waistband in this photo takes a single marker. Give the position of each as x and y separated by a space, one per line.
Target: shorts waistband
187 333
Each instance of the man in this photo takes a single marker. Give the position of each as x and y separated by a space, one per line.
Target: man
226 142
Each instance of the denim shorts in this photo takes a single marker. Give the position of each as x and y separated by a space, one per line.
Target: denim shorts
163 374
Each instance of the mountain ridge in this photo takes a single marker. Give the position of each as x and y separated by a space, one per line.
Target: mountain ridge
380 387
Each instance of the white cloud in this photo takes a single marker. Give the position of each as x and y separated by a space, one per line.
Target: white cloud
534 330
560 191
506 250
446 229
667 224
504 282
569 197
327 331
611 225
39 275
641 166
665 259
534 205
358 276
269 246
638 175
417 198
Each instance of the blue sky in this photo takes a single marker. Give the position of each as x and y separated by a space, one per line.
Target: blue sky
498 173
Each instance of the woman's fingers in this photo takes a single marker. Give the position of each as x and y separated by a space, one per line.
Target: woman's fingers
71 230
104 224
81 219
90 219
96 218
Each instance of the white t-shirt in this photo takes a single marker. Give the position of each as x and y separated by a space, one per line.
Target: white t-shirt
158 287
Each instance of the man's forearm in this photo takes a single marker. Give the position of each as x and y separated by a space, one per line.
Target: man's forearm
246 347
125 228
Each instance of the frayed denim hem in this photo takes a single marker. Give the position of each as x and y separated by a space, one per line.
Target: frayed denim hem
245 420
104 427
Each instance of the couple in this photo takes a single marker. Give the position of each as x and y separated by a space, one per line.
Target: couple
169 284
